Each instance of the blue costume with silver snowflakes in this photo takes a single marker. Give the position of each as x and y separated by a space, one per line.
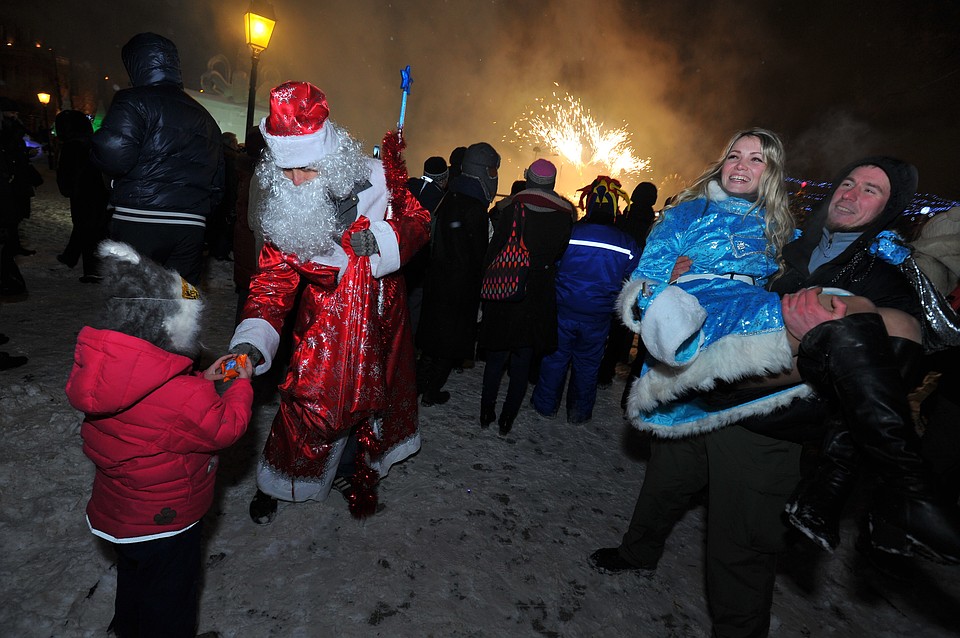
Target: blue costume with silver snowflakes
716 323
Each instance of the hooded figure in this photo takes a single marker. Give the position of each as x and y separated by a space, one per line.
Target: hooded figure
162 150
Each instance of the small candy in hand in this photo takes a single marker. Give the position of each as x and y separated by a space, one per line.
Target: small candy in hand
229 367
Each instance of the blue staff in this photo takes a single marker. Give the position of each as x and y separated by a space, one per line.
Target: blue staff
405 81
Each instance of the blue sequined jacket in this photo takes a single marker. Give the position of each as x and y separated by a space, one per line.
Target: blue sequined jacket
722 235
716 322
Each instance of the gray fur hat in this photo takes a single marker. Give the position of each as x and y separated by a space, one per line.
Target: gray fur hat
148 301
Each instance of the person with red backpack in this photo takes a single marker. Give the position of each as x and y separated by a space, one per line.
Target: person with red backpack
514 331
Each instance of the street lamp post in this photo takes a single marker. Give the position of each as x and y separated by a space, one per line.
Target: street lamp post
258 22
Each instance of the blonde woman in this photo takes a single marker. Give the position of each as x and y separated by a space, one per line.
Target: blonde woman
698 298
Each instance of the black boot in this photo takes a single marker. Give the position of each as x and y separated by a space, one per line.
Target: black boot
263 508
506 423
488 414
431 397
852 360
816 506
8 361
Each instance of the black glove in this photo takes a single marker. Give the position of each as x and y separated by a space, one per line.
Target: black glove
364 243
254 356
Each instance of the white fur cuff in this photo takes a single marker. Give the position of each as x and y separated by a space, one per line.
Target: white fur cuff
673 318
627 302
388 260
261 335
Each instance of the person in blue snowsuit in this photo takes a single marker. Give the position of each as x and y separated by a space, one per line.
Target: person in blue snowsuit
590 276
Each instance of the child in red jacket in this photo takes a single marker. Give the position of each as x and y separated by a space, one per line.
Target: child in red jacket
152 428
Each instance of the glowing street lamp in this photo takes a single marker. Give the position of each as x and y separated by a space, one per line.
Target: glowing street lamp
258 24
44 100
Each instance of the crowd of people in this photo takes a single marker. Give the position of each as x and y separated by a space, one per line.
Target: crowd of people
361 289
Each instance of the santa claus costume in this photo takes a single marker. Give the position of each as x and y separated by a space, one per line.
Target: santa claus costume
352 368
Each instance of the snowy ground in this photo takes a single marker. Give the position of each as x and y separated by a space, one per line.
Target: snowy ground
479 535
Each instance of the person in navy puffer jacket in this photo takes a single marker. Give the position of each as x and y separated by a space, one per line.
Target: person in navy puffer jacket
162 151
590 276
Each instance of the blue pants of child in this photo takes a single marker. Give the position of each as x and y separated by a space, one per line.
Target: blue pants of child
581 340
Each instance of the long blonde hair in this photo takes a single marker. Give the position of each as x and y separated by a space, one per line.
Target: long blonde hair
771 195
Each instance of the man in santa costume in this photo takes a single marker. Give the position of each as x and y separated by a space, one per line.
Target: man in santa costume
337 226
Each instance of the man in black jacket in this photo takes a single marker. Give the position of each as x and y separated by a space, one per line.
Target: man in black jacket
161 149
451 292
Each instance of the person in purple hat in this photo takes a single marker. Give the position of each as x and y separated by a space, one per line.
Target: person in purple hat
514 332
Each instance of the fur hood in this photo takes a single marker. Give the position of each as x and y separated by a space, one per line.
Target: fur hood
148 301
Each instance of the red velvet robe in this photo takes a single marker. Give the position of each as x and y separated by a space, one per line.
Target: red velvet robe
353 353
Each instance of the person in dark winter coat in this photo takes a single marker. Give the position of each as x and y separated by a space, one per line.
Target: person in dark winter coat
859 364
80 180
635 221
639 215
515 332
428 190
18 179
152 428
161 149
244 242
597 261
220 223
451 294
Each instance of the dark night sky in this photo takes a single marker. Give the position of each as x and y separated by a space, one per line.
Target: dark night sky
836 79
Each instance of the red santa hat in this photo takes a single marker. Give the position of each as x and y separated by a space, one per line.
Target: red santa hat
295 130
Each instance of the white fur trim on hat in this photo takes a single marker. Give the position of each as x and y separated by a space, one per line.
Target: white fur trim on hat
295 151
671 320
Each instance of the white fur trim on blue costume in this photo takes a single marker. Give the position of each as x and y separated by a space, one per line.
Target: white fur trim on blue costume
683 419
732 358
627 303
120 250
670 323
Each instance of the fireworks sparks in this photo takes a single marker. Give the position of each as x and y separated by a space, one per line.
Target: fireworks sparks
563 127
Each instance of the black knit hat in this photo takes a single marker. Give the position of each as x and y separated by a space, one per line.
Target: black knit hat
903 185
644 195
435 168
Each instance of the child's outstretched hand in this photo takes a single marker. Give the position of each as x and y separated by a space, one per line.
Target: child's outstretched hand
229 367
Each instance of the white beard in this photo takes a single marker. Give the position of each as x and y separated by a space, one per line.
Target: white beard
302 219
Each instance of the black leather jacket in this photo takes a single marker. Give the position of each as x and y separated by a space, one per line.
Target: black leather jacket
160 146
